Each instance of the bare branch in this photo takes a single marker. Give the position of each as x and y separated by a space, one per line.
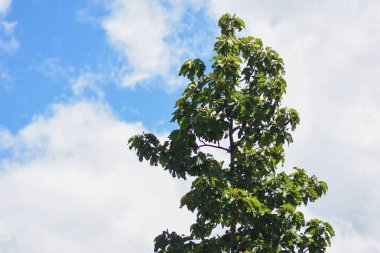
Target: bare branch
214 146
204 144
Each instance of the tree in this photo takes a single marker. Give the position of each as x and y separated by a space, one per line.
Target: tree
236 108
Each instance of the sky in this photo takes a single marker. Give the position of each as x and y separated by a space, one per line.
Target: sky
78 78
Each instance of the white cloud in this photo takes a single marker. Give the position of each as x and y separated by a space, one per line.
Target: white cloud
6 138
10 45
332 57
8 42
147 34
4 6
8 27
349 239
72 185
5 77
83 81
138 29
88 81
54 69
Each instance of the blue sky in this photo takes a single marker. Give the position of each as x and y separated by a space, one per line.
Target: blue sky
60 41
78 78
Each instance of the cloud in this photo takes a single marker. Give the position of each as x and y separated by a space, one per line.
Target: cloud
72 185
53 69
9 45
349 239
149 34
5 77
138 29
4 6
331 55
82 81
8 42
87 81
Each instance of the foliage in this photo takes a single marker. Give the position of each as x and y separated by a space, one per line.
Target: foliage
237 109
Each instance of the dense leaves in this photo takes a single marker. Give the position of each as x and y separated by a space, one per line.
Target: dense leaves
236 108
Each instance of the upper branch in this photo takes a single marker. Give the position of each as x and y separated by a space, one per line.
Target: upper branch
214 146
204 144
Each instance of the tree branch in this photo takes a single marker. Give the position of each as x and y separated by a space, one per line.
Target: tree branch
204 144
214 146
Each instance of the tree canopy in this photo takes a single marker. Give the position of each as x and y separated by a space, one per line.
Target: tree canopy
245 203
